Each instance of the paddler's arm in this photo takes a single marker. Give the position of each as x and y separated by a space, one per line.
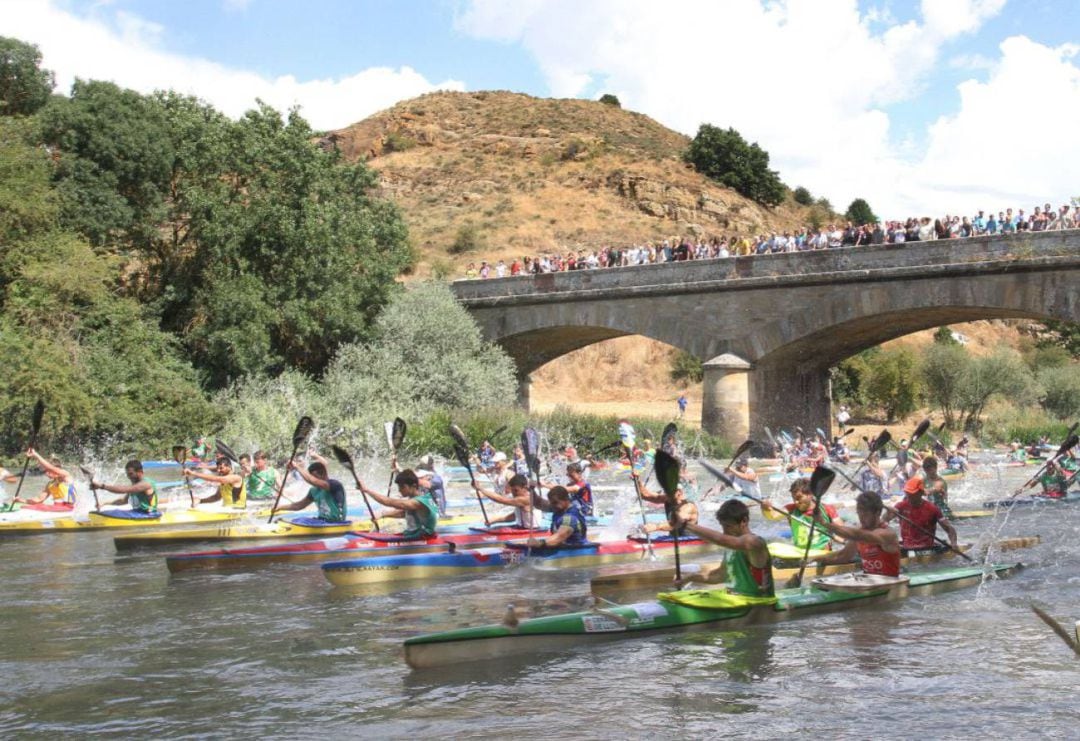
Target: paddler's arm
949 530
557 538
538 502
769 511
49 467
646 494
400 503
138 488
883 535
309 477
508 501
752 545
845 554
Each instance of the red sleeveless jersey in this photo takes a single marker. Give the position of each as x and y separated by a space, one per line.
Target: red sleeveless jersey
877 561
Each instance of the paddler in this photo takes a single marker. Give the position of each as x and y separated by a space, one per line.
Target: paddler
872 478
745 478
326 493
924 516
8 477
580 490
1053 481
873 540
232 487
415 505
141 495
262 480
801 510
60 490
685 510
434 483
749 565
568 526
520 498
937 488
1016 453
200 448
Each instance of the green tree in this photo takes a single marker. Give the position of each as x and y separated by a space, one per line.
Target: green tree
859 213
1063 334
944 336
426 352
945 369
686 367
257 248
611 100
893 383
849 377
24 86
1061 391
802 196
1002 373
724 156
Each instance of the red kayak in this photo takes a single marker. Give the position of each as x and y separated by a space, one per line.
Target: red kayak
350 545
42 507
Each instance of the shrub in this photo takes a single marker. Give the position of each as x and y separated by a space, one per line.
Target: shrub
609 99
467 239
802 196
1061 390
686 367
398 142
859 213
724 156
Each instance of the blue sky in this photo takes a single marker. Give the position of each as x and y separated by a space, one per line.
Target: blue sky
973 103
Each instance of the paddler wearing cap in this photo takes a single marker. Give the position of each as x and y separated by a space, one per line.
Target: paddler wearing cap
432 482
920 518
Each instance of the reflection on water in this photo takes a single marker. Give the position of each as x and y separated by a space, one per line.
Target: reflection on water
92 643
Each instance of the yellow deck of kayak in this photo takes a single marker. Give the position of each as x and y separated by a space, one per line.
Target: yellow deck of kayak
95 521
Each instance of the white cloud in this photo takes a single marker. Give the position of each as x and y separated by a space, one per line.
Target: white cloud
812 81
121 47
236 6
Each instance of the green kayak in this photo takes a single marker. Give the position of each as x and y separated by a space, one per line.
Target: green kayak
558 632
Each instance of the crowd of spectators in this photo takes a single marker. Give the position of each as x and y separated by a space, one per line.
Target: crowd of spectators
833 236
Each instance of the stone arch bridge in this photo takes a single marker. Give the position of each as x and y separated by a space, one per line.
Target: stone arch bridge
770 326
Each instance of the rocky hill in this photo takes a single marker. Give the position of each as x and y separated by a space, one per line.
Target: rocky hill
491 175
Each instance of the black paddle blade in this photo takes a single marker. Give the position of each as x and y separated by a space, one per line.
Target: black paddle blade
226 451
530 444
39 414
667 472
1068 444
669 437
179 454
820 481
497 432
398 435
302 431
462 456
746 445
716 472
920 430
459 436
880 441
849 431
342 456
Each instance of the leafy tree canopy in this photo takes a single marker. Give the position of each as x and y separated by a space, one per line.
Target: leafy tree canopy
24 85
724 156
859 213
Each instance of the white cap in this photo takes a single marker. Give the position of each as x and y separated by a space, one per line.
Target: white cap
498 457
423 473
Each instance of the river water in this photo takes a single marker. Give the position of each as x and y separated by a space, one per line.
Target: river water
92 643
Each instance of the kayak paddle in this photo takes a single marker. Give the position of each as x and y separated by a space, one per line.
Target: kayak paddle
922 530
180 454
395 435
627 438
667 473
226 451
299 438
873 446
530 446
345 459
35 427
1057 628
461 452
820 480
93 489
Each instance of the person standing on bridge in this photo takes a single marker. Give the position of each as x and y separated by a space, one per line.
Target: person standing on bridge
682 404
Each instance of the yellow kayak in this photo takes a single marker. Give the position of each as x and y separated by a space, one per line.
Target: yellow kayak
112 519
291 527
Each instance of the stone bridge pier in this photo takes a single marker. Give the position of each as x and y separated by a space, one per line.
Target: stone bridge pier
769 327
